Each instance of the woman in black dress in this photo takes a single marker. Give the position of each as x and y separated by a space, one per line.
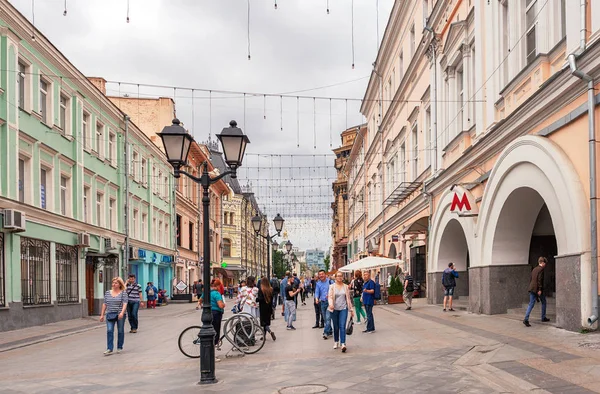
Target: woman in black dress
265 305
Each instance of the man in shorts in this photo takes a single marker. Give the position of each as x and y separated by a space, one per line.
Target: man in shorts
449 282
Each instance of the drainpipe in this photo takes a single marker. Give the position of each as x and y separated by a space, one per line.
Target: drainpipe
433 51
582 33
592 168
126 205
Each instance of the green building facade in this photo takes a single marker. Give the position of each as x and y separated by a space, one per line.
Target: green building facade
63 170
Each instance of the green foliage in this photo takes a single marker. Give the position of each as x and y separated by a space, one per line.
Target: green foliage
396 287
279 264
327 263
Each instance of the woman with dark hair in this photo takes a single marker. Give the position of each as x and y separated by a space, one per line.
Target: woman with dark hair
357 287
247 297
265 305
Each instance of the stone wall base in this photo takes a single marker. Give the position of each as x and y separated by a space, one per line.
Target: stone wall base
16 316
495 289
568 292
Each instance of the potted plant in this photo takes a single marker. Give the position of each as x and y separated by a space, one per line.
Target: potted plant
395 291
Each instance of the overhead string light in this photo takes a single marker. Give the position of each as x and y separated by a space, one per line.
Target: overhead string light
193 110
244 110
65 11
281 112
298 121
209 113
330 131
33 20
264 107
352 5
248 1
315 122
346 114
127 11
327 7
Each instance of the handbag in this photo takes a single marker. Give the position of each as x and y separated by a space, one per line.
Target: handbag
112 316
350 327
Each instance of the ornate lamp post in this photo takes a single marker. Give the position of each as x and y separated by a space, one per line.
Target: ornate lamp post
257 224
177 143
288 248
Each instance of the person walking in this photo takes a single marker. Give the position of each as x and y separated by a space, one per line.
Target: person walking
303 291
321 297
217 307
151 294
291 291
449 282
134 301
409 288
275 285
339 303
357 287
265 306
536 291
114 307
248 296
283 285
368 299
199 290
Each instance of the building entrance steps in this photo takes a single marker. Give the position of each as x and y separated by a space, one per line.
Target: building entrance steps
519 313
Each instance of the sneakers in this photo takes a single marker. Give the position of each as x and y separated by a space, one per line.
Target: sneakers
315 326
108 352
119 351
325 336
358 323
451 310
335 345
291 328
444 309
368 331
273 336
526 322
545 320
408 308
133 331
343 348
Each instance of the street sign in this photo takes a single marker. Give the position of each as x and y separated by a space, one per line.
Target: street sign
181 286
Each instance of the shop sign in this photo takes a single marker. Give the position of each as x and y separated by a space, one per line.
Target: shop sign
463 203
181 286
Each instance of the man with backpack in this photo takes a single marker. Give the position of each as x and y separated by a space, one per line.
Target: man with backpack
368 299
409 288
449 282
276 290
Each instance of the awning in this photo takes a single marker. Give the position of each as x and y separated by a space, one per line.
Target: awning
371 262
419 226
235 268
224 272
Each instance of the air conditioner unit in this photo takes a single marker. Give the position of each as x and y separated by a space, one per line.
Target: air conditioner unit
133 253
110 243
14 220
83 239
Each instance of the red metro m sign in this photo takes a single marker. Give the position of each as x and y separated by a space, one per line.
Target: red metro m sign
463 203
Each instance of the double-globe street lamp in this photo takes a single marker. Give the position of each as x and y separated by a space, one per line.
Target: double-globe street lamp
177 143
288 248
257 224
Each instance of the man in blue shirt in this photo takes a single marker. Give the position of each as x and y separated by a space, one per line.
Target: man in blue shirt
321 293
368 298
283 284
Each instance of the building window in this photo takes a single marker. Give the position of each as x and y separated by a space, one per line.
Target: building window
84 130
63 195
43 189
155 232
178 229
64 105
504 42
226 247
35 271
100 140
159 231
143 172
402 163
144 229
428 138
44 105
167 243
415 150
22 179
531 11
2 284
111 213
153 180
86 200
191 235
67 274
99 201
232 218
134 222
22 85
134 164
111 147
225 217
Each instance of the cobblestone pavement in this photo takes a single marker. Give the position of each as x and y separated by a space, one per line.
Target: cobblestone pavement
423 350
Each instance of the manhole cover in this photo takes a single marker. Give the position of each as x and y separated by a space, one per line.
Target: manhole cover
304 389
593 345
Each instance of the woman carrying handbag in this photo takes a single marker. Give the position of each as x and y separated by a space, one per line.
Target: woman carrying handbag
340 303
115 305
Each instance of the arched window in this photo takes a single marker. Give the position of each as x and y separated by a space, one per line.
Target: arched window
226 247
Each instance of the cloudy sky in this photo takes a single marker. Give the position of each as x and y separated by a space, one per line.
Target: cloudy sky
203 45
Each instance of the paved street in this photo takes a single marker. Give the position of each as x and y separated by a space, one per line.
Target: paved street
423 350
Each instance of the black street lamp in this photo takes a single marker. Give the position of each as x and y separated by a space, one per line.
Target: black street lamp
257 224
288 248
177 143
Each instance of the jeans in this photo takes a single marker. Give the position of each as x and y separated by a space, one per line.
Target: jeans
303 296
216 322
286 311
339 325
532 300
326 317
359 310
290 308
110 333
370 321
132 313
318 317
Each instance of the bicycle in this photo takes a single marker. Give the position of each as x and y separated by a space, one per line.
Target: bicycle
242 330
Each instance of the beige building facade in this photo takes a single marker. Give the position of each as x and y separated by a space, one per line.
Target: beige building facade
477 151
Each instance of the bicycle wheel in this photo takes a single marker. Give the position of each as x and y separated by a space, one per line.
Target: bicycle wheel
249 337
189 342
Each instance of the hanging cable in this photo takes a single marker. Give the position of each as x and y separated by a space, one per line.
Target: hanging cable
248 1
353 34
193 110
327 7
33 20
264 107
298 121
281 112
244 111
330 131
65 11
209 113
127 11
275 4
315 122
346 114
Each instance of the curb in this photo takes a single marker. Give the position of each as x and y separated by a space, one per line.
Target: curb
40 339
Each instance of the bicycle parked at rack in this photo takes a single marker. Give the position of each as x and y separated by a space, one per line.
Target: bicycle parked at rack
242 330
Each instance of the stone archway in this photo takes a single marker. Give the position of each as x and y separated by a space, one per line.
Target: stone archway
532 174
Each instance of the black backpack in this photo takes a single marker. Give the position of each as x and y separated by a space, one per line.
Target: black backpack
275 285
410 287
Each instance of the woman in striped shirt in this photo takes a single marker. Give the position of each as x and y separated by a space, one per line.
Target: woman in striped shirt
115 305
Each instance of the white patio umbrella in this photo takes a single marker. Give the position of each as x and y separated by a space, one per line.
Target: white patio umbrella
369 263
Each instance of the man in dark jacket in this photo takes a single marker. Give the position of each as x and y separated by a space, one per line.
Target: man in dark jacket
449 282
536 290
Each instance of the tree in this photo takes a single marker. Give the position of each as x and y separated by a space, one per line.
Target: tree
327 262
279 265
